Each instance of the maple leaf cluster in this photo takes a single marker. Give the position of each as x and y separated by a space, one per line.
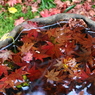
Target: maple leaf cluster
57 57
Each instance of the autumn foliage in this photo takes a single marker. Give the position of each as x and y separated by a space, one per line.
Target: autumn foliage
55 57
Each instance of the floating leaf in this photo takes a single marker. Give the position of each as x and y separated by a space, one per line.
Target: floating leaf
52 75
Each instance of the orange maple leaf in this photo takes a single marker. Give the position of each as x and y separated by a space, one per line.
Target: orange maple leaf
52 75
26 47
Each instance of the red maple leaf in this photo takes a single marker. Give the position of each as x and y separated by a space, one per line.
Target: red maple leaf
4 70
45 13
19 21
33 32
52 49
21 64
3 84
40 56
17 60
18 73
88 71
34 73
54 11
87 6
83 75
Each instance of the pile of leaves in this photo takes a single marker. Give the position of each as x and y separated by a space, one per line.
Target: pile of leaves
53 59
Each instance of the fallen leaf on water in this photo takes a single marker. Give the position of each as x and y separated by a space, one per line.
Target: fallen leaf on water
52 75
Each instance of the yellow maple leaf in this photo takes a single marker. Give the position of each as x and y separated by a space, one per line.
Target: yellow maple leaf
12 10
